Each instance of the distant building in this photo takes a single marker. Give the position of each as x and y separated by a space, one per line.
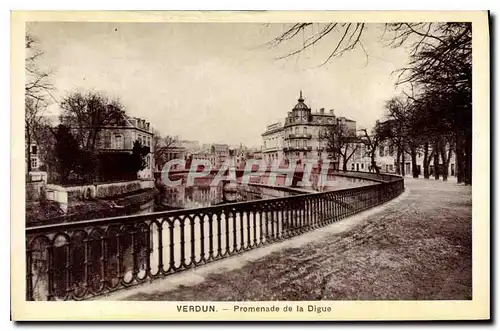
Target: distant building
205 156
190 146
301 135
217 154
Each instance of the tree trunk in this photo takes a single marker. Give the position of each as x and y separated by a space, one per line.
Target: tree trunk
344 164
442 150
426 160
398 161
436 160
414 161
374 164
468 158
28 138
403 171
459 152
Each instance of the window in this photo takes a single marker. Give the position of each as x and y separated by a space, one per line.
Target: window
296 130
391 150
34 162
33 150
381 151
305 130
118 141
362 165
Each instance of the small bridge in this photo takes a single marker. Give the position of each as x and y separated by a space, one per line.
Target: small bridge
80 260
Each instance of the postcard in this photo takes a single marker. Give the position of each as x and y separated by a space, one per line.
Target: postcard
260 165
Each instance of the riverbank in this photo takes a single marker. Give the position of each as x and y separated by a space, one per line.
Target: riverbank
49 212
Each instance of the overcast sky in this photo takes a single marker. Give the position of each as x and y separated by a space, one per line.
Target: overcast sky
215 82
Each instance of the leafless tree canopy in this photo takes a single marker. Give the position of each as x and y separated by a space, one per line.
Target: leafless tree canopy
37 83
162 145
87 114
340 142
349 38
37 90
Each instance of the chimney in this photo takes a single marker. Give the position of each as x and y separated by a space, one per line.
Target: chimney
332 112
322 110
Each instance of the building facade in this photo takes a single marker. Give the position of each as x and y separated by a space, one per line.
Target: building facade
386 159
302 135
216 154
120 137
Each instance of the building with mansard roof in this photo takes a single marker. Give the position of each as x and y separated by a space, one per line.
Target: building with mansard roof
300 136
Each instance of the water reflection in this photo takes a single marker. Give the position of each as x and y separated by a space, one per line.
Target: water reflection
192 196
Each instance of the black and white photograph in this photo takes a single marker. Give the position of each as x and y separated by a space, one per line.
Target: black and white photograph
237 161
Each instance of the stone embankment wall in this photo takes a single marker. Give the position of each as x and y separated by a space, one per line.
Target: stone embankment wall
72 194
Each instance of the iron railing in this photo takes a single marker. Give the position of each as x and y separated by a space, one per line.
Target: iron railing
79 260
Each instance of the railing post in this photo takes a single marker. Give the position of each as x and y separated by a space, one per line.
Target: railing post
50 272
249 244
226 217
29 272
135 265
219 234
104 261
171 226
160 247
182 243
202 239
210 237
192 241
242 231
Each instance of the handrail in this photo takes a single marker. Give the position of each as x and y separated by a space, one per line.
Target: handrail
79 260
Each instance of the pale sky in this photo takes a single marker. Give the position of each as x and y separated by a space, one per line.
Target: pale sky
215 82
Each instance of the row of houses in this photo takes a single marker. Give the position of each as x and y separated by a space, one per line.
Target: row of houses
387 161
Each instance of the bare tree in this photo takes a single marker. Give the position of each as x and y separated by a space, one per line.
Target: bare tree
87 114
37 84
371 142
37 88
162 145
339 141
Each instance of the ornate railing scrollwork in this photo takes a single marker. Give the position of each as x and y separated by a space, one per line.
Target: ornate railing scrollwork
79 260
